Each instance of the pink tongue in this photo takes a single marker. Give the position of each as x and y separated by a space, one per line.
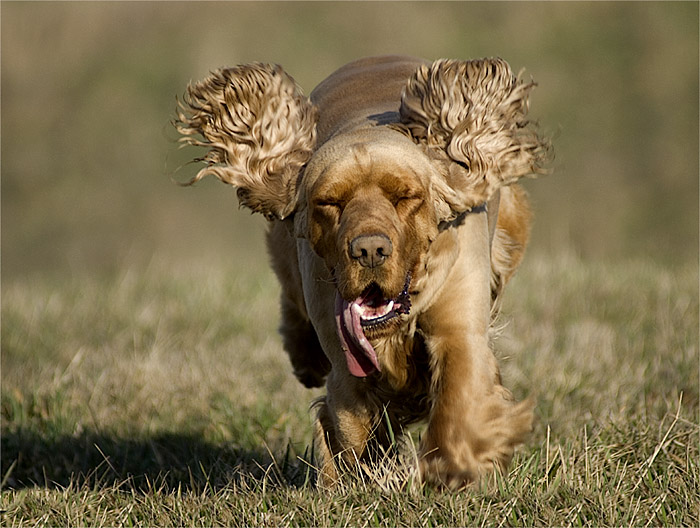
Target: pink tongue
359 353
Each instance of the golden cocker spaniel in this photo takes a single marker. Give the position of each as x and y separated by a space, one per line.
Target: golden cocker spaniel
394 224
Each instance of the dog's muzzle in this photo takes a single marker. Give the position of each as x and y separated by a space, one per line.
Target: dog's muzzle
369 311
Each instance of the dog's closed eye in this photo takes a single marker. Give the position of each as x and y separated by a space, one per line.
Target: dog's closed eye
329 207
329 203
406 199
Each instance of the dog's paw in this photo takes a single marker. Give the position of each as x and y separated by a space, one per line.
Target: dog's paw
439 472
456 453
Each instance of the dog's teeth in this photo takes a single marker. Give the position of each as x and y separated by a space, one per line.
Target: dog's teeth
375 314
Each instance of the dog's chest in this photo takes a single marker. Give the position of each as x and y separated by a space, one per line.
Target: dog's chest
403 388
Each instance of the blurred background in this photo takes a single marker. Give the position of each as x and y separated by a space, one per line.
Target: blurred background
89 159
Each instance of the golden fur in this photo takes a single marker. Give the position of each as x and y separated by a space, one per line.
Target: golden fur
394 226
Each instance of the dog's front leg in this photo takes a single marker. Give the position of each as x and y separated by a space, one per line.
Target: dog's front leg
343 426
344 417
474 424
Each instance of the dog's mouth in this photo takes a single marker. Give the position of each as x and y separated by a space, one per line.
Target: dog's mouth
367 314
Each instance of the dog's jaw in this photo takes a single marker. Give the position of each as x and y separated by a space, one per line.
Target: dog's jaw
370 314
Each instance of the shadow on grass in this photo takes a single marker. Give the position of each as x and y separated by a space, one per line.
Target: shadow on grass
165 462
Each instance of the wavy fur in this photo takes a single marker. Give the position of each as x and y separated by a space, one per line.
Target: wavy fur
463 137
474 113
260 130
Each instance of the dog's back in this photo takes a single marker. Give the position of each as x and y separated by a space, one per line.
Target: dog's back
366 92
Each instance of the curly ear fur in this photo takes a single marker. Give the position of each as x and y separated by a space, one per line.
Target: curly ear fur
473 113
260 130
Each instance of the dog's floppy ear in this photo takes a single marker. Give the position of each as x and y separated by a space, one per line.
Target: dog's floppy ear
259 128
473 113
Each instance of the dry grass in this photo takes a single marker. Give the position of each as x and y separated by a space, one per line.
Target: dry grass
161 396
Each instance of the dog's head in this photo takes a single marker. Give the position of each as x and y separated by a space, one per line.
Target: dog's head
370 200
367 208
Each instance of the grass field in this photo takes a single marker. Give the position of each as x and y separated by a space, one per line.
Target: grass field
154 391
161 396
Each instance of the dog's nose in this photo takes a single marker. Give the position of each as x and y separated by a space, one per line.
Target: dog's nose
371 250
